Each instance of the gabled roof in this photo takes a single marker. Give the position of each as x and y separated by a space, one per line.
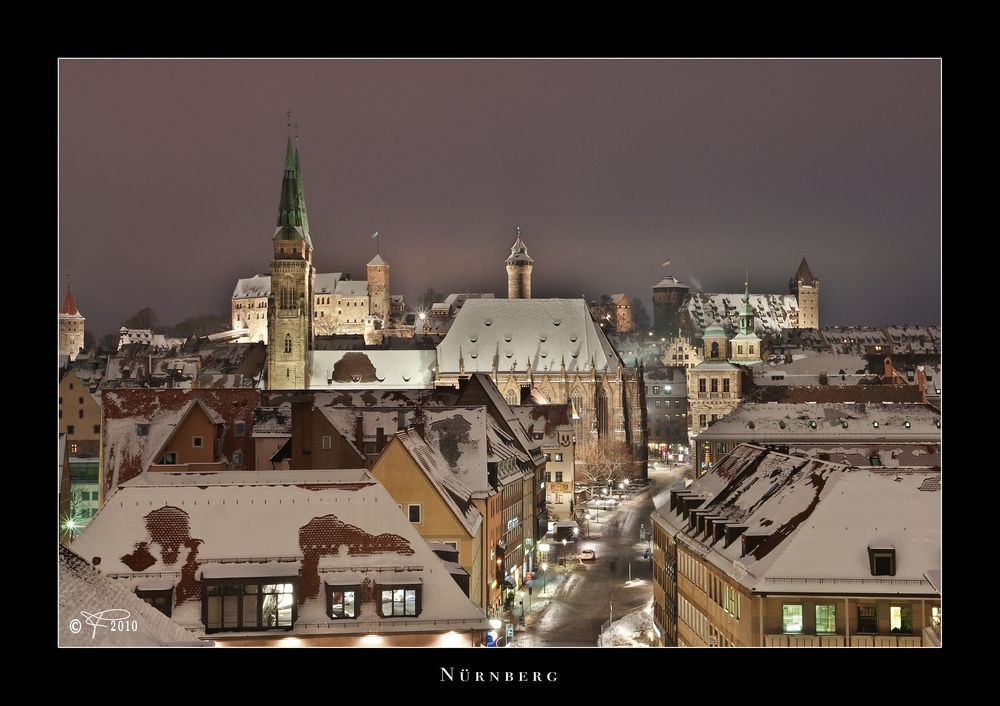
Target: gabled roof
332 526
126 454
455 494
377 260
511 332
814 521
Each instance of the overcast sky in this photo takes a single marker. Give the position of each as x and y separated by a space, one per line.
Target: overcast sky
170 176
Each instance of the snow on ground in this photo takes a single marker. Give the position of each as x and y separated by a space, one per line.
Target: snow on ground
631 631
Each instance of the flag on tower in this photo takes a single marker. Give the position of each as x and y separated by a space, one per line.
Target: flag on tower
375 235
667 263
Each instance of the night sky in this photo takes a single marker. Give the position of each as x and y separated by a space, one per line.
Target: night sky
170 175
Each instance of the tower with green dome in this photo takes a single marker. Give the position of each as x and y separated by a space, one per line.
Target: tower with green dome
744 347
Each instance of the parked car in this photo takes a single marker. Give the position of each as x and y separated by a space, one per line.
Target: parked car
588 555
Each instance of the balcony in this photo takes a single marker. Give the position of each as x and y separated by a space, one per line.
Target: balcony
842 641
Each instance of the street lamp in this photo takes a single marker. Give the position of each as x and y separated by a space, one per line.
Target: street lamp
521 596
576 534
587 516
545 567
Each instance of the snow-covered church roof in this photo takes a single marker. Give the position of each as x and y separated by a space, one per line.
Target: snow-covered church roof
513 331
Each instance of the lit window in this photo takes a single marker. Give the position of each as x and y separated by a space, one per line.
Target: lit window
905 424
875 425
235 605
72 448
547 458
559 475
559 457
237 457
791 617
399 602
935 616
826 618
537 435
341 602
899 619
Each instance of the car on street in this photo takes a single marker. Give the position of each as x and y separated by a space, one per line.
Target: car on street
588 555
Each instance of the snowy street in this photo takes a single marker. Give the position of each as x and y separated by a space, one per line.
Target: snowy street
582 595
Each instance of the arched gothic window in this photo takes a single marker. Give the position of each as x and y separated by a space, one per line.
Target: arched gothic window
288 343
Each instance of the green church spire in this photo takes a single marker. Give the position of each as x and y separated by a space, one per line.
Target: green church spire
292 223
746 310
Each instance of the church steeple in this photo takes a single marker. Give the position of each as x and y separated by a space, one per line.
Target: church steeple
746 310
69 305
292 222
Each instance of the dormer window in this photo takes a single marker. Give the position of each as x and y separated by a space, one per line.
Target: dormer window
399 601
142 430
906 425
843 423
342 602
882 560
875 425
812 425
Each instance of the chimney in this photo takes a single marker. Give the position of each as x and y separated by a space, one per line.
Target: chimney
922 383
890 372
301 433
824 379
359 432
379 439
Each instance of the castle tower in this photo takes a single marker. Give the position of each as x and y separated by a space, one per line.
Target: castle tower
668 296
378 289
519 266
805 287
70 327
290 304
744 347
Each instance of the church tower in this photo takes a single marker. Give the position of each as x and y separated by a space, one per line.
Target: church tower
744 347
805 287
290 304
519 266
70 327
378 289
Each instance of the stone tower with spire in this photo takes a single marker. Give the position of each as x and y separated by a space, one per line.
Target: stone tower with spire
70 326
290 304
805 287
744 347
378 289
519 266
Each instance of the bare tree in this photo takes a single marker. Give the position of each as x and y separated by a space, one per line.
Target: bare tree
603 463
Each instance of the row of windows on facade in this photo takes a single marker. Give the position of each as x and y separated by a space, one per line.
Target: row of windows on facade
97 427
720 592
703 421
667 389
701 624
549 456
71 429
559 477
243 605
900 619
715 385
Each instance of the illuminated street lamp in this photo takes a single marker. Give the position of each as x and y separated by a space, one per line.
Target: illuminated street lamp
545 567
576 534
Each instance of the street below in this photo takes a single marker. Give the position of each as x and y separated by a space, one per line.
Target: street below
569 604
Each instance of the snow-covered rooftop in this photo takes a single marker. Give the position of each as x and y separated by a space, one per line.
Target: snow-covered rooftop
772 312
321 526
89 601
338 369
127 454
775 422
511 333
811 523
351 288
